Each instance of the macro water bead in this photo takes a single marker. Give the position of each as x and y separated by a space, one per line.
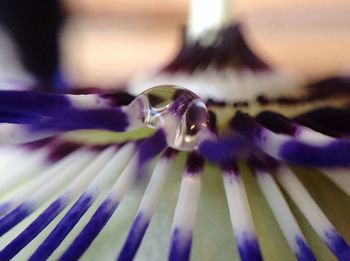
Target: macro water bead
179 112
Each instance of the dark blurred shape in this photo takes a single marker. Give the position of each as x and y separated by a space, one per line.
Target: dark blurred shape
329 87
229 49
34 25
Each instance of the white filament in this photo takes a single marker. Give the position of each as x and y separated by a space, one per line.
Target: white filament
73 162
112 168
280 209
340 177
154 188
84 178
238 205
187 204
304 201
29 166
58 182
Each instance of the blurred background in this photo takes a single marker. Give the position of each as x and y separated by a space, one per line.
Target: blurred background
104 42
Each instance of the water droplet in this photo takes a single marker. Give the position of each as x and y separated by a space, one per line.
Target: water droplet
180 112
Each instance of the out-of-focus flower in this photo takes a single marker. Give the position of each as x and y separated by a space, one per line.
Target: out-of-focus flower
272 146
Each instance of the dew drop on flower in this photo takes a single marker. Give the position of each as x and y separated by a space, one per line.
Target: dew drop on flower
180 112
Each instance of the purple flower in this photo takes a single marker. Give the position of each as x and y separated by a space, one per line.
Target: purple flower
99 175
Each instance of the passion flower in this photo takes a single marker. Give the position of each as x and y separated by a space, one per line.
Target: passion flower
75 166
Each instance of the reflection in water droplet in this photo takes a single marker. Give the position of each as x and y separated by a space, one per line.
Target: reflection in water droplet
180 112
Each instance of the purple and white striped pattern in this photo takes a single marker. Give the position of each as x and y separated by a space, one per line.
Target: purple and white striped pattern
284 216
313 213
48 104
216 62
32 230
281 124
240 214
45 191
315 152
147 150
147 206
34 158
91 180
106 172
63 165
43 115
14 134
186 209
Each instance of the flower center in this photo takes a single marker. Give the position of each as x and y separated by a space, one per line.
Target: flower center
179 112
